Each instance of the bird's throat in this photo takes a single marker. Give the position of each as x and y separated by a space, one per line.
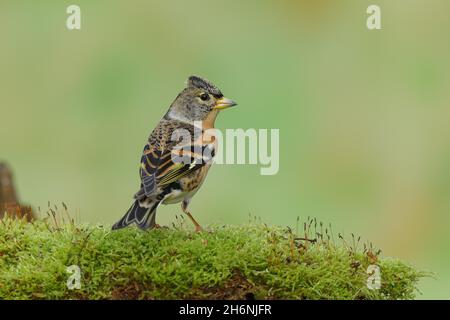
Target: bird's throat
210 120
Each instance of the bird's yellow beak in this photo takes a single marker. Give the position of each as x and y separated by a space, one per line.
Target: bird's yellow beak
224 103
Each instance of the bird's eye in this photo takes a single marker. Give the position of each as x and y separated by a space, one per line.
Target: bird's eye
204 96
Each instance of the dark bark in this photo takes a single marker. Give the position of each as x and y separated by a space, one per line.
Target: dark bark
9 202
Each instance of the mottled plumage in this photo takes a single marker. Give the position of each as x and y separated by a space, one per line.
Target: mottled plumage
178 154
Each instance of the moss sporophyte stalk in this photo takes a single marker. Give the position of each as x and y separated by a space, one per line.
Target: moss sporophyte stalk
251 261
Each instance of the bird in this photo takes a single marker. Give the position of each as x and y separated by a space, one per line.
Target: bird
178 154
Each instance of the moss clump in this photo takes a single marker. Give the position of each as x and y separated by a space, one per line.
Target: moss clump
225 262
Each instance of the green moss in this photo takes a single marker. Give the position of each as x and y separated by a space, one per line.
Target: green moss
251 260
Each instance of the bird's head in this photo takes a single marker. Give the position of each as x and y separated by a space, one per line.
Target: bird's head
199 101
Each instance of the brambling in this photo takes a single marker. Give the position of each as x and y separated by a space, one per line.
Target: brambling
171 170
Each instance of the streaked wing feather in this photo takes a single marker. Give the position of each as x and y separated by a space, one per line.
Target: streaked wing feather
157 166
179 170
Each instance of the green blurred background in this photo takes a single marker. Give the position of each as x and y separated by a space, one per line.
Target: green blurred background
363 115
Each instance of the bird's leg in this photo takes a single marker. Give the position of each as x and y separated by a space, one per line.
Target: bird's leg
184 206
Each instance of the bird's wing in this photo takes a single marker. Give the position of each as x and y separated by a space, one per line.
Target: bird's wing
165 160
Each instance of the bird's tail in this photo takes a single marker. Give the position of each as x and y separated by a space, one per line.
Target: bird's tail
143 215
